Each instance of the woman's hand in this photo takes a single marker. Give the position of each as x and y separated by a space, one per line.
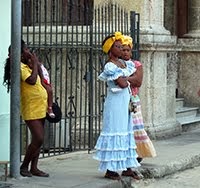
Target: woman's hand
34 58
30 57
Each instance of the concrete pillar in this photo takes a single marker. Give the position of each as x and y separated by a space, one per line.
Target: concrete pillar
152 17
193 18
5 15
157 95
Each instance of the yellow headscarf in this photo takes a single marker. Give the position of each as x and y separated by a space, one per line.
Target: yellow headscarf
128 41
109 42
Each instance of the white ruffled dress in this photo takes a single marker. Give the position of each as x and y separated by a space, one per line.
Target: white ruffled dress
115 147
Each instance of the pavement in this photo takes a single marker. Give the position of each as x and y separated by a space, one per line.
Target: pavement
79 169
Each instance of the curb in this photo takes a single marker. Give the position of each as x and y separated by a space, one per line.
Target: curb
171 168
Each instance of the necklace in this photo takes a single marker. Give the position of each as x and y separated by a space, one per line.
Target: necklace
118 63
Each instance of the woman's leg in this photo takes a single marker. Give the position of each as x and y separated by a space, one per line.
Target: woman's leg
36 128
34 162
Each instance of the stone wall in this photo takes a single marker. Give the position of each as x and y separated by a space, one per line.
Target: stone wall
160 64
189 69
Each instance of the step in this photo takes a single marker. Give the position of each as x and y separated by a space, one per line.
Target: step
179 102
188 120
189 123
186 112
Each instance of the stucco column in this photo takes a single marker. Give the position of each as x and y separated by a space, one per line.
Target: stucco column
193 18
157 95
5 15
152 17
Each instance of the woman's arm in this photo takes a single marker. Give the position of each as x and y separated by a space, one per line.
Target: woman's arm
136 78
122 82
33 63
40 73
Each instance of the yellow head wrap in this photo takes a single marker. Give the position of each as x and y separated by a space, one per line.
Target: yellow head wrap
109 42
128 41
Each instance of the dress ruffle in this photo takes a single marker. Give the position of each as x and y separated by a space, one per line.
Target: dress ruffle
116 153
115 142
119 165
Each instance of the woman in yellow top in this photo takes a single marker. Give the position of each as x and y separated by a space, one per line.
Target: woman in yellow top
33 108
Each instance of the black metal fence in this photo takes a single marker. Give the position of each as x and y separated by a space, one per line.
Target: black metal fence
67 37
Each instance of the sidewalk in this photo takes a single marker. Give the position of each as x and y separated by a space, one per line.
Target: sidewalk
79 170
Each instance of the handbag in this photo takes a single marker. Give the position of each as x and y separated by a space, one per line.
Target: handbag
132 104
57 111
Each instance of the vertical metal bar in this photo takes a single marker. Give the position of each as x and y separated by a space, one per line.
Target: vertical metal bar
96 68
34 21
132 30
45 22
118 18
71 98
67 73
100 64
115 17
76 71
106 18
16 12
63 123
91 83
109 18
138 36
57 67
102 22
122 19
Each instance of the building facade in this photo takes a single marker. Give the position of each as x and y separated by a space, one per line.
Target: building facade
169 51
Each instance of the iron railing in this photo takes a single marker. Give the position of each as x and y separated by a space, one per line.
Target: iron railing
72 53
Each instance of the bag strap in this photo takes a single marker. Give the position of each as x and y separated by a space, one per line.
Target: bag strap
129 88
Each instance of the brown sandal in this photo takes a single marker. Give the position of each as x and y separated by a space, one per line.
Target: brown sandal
112 175
25 173
39 173
132 174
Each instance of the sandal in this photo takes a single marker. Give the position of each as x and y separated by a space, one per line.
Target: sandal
139 159
112 175
39 173
131 173
25 173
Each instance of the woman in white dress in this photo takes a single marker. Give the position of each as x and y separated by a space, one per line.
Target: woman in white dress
115 147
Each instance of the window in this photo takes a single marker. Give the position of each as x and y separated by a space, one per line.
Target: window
66 12
182 18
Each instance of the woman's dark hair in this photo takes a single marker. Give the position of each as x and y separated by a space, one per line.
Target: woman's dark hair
6 78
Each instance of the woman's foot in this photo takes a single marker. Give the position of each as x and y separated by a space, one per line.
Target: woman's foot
50 112
112 175
131 173
25 172
38 172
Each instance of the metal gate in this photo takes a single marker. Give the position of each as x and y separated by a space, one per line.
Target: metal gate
67 37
